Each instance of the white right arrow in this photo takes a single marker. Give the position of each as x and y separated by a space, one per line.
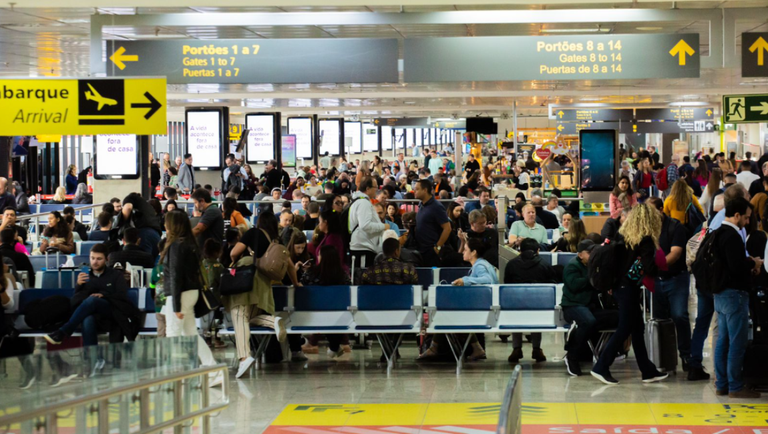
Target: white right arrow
762 108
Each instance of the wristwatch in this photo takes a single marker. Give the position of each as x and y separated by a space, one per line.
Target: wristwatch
437 247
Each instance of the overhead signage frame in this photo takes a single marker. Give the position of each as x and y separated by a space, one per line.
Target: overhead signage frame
742 109
593 114
243 61
60 106
578 57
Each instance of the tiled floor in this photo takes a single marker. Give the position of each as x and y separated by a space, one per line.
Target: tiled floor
259 399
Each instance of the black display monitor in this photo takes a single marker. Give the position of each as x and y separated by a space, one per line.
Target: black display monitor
598 159
482 126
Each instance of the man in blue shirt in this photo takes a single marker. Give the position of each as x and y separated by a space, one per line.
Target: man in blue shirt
433 227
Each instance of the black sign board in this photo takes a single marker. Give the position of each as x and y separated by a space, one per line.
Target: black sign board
699 126
594 115
674 114
739 109
754 54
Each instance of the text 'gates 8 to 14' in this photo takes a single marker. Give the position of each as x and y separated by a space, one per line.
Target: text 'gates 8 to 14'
83 106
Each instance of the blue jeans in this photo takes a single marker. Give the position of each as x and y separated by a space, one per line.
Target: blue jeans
671 301
706 308
732 306
85 314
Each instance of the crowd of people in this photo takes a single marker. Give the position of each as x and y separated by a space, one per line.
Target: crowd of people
361 222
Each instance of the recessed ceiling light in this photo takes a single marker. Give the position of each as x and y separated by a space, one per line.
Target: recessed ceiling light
648 29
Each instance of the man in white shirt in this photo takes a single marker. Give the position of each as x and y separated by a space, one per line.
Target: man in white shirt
364 224
746 177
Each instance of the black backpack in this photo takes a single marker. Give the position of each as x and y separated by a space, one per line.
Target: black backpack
708 267
606 265
232 180
47 314
695 220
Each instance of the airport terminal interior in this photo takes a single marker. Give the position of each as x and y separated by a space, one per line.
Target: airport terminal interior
134 112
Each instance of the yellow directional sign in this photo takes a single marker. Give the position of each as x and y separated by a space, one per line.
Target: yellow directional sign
560 127
119 57
682 49
560 113
709 112
83 106
760 46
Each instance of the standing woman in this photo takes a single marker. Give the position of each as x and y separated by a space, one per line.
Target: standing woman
701 174
182 281
679 199
71 180
165 168
617 202
643 179
713 185
641 236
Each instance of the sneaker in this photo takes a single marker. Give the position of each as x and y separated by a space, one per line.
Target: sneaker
658 376
685 365
298 356
244 366
280 331
216 379
516 355
97 368
697 374
64 379
28 382
538 355
572 366
55 338
744 394
335 354
606 378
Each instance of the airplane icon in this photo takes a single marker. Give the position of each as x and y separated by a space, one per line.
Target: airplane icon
95 96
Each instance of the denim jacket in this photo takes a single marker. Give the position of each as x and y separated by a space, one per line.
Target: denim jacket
482 273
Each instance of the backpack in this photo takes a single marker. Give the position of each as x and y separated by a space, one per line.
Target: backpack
692 247
695 219
661 179
708 267
47 314
605 266
232 180
274 264
347 235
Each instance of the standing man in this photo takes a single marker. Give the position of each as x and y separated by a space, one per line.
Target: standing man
670 298
272 175
211 224
186 178
673 173
732 302
434 163
326 161
433 227
364 224
233 175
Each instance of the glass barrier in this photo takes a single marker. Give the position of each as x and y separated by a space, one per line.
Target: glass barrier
68 377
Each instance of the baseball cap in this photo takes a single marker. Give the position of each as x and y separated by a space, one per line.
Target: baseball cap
586 245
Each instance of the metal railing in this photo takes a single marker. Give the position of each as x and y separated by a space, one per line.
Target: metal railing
510 414
46 418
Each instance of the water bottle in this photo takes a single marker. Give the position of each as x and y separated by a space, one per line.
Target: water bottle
70 262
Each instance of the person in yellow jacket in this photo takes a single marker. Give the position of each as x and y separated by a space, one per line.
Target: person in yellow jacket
680 197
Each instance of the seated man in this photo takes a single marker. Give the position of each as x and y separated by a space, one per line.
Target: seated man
104 220
527 228
489 237
9 222
100 302
548 220
390 270
131 253
581 305
8 250
528 268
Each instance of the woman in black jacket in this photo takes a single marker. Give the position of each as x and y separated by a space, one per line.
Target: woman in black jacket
182 283
641 235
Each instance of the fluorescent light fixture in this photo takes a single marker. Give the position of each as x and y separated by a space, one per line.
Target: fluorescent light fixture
648 29
595 30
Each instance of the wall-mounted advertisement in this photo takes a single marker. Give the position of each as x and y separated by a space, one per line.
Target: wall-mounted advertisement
354 130
598 159
288 148
370 138
302 129
204 138
330 136
261 137
386 138
116 157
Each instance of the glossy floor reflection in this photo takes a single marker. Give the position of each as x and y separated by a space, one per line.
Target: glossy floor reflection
258 398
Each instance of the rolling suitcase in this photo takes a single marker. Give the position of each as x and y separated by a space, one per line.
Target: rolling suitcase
661 341
758 301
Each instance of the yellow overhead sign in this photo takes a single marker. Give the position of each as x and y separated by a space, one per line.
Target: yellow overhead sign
83 106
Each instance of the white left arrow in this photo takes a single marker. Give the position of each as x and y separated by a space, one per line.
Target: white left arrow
762 108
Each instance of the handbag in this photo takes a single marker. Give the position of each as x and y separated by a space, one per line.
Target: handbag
207 301
237 280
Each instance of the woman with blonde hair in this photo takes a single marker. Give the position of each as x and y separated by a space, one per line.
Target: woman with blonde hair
59 197
637 261
680 198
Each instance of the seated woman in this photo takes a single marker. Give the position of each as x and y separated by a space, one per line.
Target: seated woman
325 272
57 235
59 197
481 273
571 239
